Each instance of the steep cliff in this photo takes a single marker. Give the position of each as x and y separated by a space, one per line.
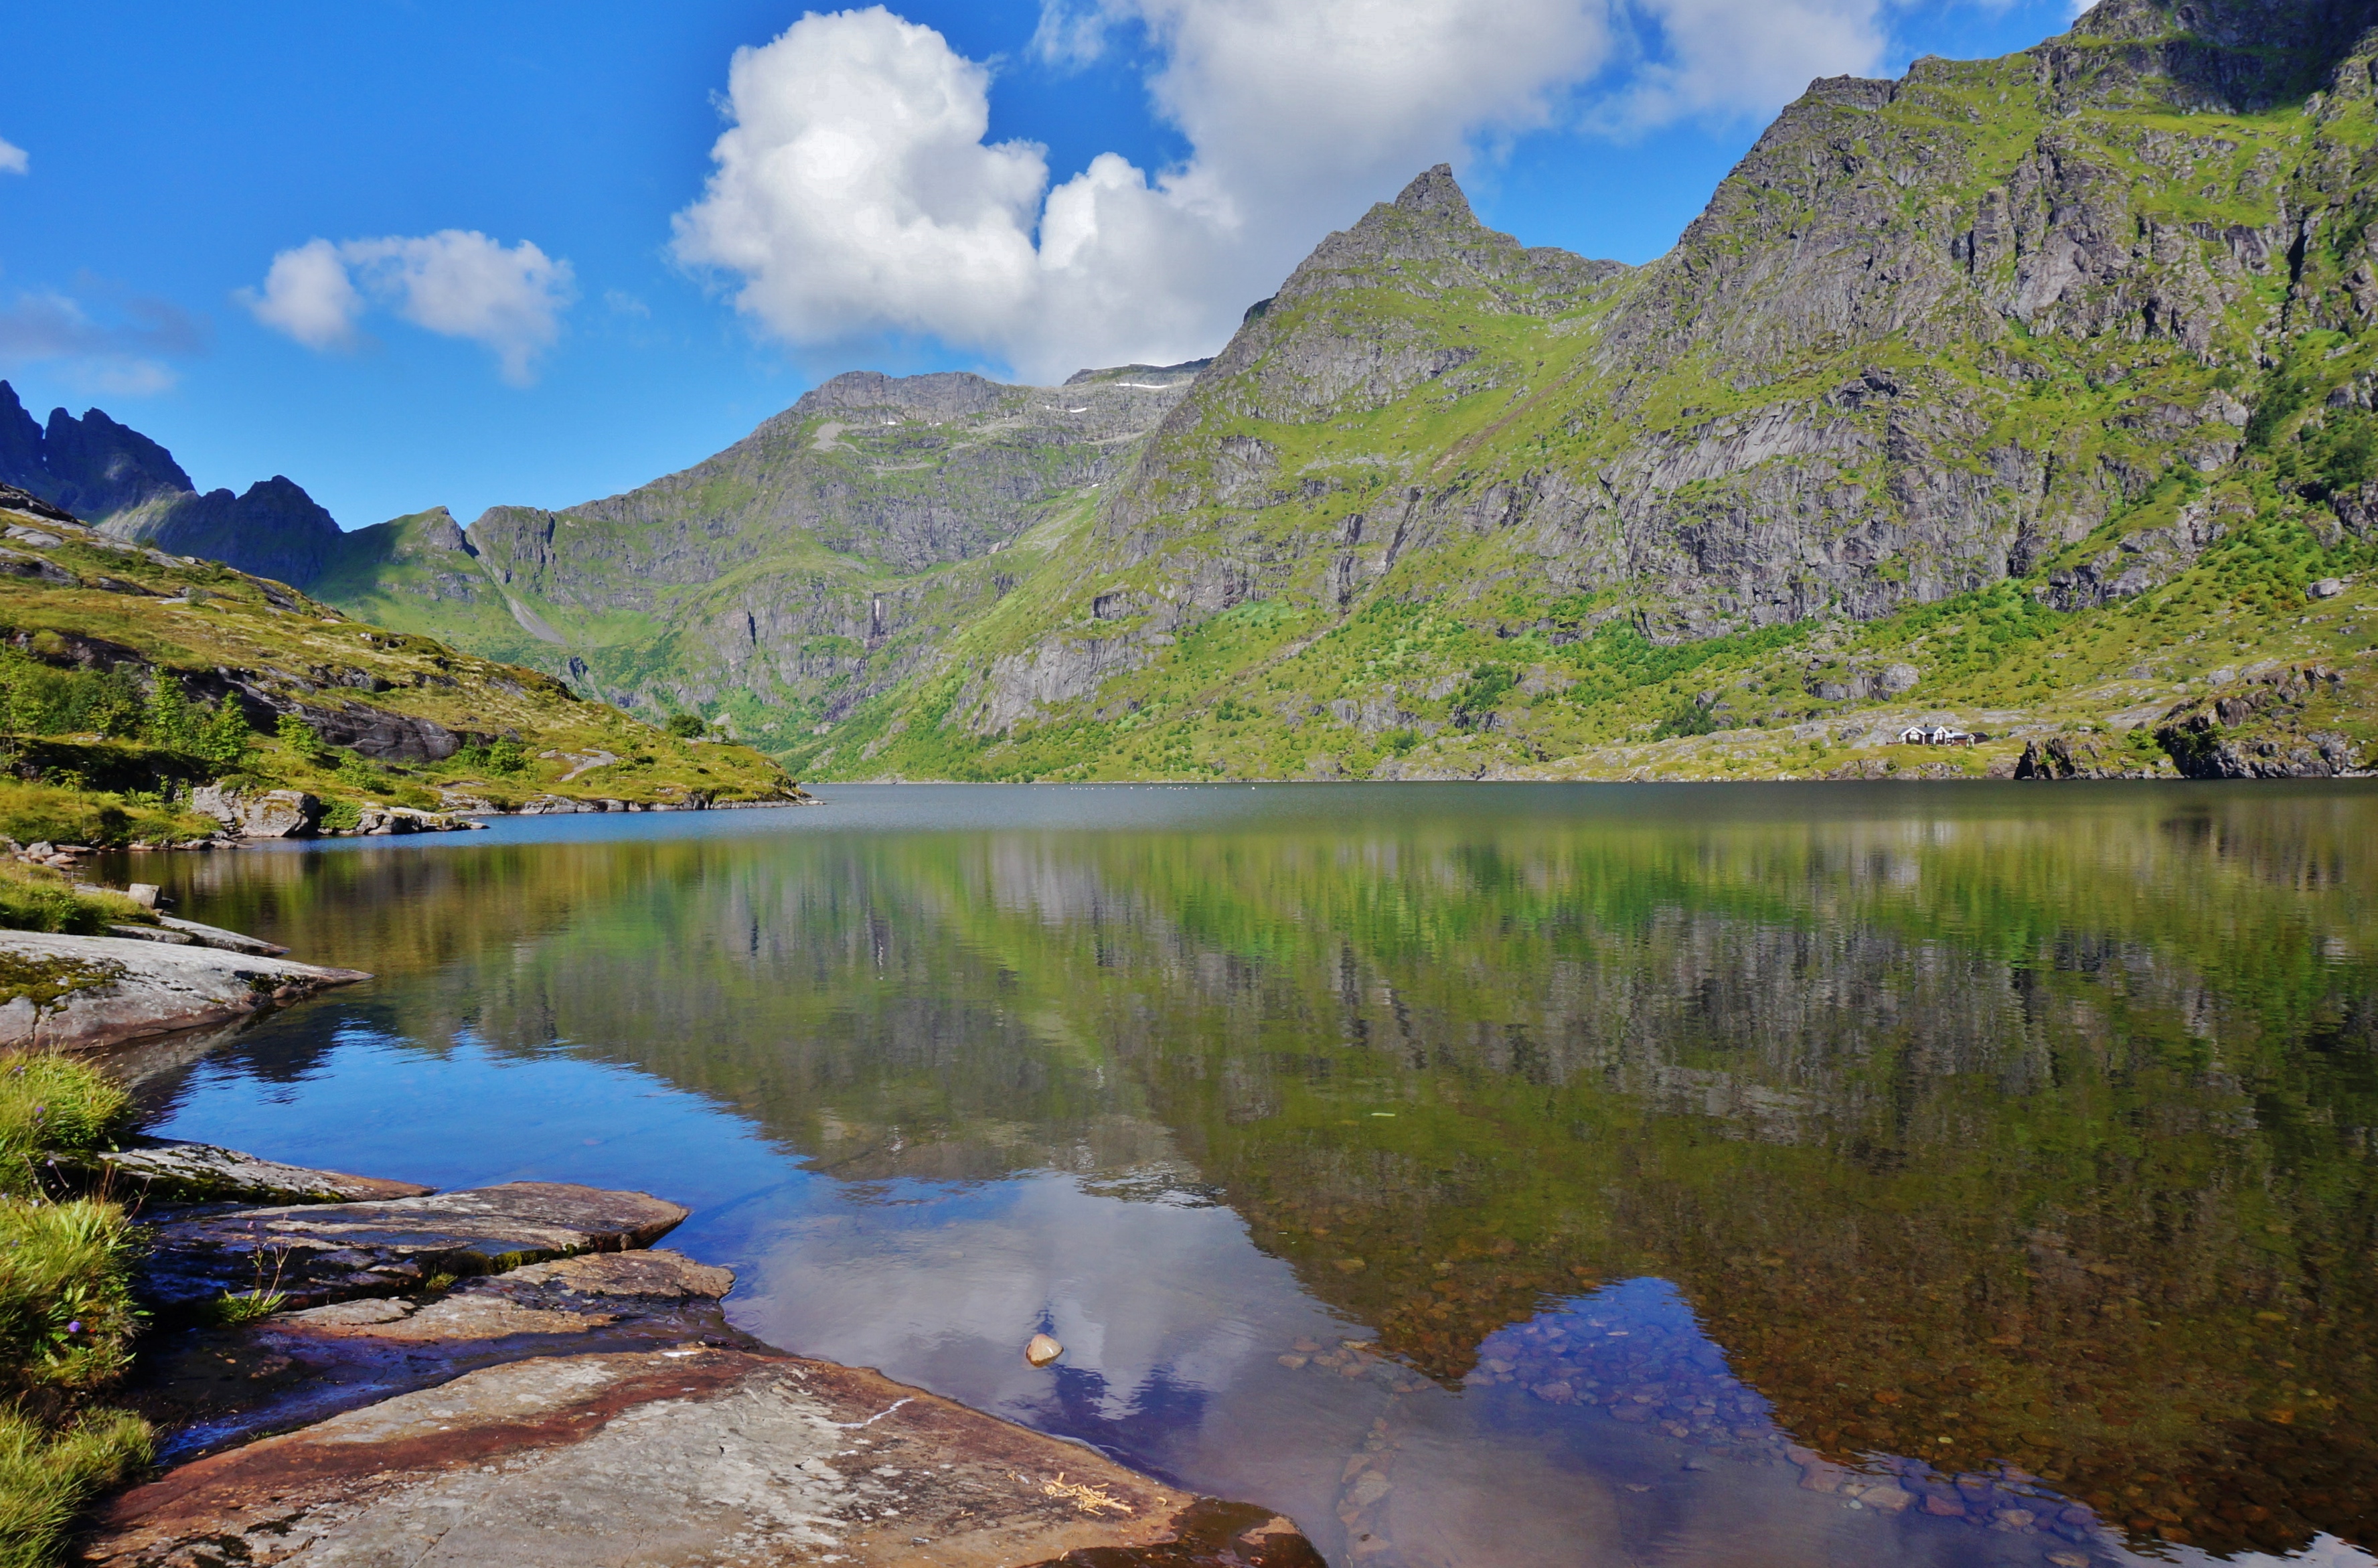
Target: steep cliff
812 566
2042 378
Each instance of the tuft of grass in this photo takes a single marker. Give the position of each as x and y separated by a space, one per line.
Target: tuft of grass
47 1476
67 1319
37 898
236 1309
51 1103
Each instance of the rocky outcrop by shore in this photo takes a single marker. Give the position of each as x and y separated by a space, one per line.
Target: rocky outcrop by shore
168 1170
311 1254
84 993
592 1408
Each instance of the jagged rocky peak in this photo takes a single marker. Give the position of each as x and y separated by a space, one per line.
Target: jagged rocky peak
438 530
92 466
130 487
1428 241
1435 191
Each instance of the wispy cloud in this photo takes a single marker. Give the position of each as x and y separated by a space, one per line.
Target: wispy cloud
14 159
456 282
121 352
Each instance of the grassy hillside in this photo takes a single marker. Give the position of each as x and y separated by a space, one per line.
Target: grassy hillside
770 588
131 677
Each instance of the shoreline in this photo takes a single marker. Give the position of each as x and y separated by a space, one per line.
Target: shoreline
520 1363
520 1352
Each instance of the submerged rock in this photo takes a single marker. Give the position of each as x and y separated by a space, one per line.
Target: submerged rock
695 1454
80 992
313 1254
216 937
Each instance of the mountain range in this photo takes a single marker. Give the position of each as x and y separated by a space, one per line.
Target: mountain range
2028 398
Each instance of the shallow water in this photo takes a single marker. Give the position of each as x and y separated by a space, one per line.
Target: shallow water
1505 1174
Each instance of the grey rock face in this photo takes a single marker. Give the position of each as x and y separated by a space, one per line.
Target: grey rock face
274 530
91 991
2262 726
274 813
167 1170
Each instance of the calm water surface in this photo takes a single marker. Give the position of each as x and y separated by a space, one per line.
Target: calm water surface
1479 1174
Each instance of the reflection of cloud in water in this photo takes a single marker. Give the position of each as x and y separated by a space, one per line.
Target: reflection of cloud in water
1174 1327
1152 1300
2325 1552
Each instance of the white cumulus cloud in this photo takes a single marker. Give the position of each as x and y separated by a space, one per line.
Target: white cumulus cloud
456 282
309 295
13 158
855 194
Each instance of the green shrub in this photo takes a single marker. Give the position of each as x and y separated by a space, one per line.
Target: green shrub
1686 718
298 736
1487 685
685 725
169 720
38 700
343 817
505 755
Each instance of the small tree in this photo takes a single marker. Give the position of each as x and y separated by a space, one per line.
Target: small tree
298 736
225 738
171 721
686 726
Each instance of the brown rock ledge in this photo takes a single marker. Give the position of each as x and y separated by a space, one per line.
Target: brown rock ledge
693 1456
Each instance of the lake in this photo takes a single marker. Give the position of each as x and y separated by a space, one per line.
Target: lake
1479 1174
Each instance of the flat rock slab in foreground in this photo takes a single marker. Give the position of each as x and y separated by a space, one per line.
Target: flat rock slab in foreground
683 1458
80 993
318 1253
167 1170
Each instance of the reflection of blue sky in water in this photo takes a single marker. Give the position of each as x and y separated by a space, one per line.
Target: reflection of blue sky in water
1176 1325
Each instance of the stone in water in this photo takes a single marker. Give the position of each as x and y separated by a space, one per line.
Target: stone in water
1043 1350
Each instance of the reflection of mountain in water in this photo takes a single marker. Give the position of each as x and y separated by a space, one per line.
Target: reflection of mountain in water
2030 1139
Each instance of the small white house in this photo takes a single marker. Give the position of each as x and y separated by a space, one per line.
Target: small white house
1935 735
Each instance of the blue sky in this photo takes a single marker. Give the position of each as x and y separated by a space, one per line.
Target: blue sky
514 271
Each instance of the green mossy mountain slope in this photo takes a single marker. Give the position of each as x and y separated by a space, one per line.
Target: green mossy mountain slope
130 677
2030 397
